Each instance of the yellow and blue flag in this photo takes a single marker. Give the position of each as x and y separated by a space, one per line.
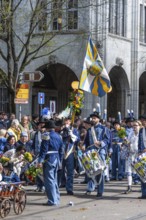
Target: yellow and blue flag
94 77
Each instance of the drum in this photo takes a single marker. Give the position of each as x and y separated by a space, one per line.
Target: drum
139 165
92 162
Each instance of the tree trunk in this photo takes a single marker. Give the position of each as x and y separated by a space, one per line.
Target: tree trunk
12 106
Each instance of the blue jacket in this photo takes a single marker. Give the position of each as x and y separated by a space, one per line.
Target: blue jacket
102 135
51 141
68 141
141 146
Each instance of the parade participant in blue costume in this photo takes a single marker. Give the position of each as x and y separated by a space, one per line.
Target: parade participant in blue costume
116 144
51 155
99 137
142 149
70 138
129 122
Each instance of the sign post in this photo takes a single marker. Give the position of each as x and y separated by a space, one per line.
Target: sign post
41 101
22 88
35 76
22 94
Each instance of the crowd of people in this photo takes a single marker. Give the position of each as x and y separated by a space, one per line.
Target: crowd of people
56 143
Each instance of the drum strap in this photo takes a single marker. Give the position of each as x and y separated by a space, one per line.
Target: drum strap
93 133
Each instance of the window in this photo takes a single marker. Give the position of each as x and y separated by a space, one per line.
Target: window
72 14
42 25
141 23
57 14
52 17
142 26
117 17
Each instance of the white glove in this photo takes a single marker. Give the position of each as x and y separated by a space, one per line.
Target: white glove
73 137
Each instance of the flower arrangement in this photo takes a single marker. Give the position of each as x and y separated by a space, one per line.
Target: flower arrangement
122 133
94 155
4 160
76 100
28 156
32 172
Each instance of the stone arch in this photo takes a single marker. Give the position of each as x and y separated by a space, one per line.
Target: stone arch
142 93
117 99
56 85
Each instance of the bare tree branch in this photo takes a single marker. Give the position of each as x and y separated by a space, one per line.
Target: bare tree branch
4 77
2 55
32 26
46 54
17 5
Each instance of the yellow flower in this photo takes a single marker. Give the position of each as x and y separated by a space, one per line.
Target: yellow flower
77 106
28 156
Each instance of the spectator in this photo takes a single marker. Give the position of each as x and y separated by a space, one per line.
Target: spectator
3 140
24 142
11 118
11 141
35 119
26 125
15 129
3 123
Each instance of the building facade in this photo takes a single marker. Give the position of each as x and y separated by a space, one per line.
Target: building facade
117 27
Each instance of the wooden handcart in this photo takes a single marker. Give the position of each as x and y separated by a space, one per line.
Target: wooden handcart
11 195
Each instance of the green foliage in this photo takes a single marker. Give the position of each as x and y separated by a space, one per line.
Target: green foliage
122 133
76 100
32 172
4 160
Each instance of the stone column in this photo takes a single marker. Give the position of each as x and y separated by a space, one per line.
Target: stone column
134 58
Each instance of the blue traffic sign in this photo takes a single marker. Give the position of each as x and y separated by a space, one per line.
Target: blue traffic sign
41 98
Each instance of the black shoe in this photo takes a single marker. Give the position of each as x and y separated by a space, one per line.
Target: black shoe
99 196
142 197
83 182
112 179
88 193
37 190
41 190
62 186
136 182
70 193
128 190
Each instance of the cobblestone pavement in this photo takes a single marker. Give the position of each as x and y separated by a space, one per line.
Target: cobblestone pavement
115 205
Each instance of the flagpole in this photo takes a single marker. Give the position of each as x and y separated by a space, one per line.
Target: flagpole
74 85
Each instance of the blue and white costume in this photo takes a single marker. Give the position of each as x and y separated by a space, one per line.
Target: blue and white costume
51 153
70 139
103 135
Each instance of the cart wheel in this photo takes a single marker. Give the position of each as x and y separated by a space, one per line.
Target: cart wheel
5 207
19 202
